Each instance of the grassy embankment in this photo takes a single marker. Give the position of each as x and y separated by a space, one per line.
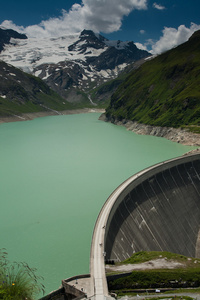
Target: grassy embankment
185 276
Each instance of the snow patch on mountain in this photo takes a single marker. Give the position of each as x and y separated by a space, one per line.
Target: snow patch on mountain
81 61
117 44
28 54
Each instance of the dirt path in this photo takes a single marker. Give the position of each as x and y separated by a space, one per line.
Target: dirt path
159 263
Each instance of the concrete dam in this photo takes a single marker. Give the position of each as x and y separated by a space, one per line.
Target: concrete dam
158 211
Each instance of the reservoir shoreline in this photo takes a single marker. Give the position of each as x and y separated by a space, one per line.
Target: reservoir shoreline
177 135
33 115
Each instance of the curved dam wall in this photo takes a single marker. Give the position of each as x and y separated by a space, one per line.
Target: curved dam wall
158 211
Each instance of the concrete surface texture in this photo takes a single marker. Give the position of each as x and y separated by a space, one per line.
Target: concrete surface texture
158 211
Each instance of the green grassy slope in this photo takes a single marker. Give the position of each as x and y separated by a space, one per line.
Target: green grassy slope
22 93
186 274
102 94
164 91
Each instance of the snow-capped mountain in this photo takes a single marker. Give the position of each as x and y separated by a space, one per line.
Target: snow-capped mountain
81 61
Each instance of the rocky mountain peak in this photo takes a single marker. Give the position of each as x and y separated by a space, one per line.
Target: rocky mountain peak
90 33
74 62
7 34
87 39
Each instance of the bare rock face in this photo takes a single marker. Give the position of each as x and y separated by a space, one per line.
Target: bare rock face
61 77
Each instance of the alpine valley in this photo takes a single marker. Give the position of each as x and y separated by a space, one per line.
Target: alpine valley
71 68
149 95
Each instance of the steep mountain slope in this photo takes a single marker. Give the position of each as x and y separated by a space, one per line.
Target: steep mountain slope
73 63
163 91
22 93
102 94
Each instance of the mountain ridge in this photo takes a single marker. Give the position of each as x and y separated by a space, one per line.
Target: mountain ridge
21 93
72 63
164 91
7 34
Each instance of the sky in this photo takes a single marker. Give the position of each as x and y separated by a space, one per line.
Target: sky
154 25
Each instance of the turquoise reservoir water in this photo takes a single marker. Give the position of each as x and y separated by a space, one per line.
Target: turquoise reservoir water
55 175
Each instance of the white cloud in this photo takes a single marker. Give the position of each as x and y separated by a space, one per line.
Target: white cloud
141 46
142 31
173 37
158 6
97 15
